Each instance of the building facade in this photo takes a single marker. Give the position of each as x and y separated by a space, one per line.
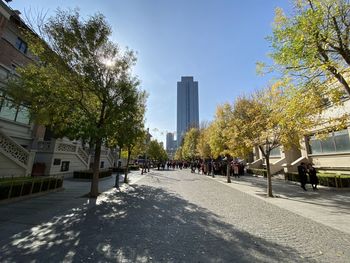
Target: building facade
331 153
27 148
171 145
16 132
169 141
187 106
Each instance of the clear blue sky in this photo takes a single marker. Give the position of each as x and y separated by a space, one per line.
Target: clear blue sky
216 41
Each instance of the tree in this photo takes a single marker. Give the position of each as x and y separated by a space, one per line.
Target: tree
156 151
178 153
189 148
313 45
203 147
218 141
81 86
277 116
131 133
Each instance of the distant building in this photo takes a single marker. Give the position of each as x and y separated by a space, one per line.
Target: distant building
169 141
187 106
170 145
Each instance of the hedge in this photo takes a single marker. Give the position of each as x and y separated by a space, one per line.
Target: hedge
332 180
134 167
122 169
88 174
21 186
262 172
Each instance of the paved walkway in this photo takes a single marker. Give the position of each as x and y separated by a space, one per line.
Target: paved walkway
328 206
167 216
18 215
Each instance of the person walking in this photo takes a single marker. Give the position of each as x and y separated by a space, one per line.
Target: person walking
302 174
313 176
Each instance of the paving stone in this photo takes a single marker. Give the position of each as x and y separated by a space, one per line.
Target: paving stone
172 217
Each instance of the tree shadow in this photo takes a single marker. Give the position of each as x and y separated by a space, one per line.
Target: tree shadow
292 191
144 224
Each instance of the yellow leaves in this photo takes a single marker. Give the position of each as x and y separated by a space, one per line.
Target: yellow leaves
280 18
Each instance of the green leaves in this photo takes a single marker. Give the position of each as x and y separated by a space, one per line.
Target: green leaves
189 147
313 44
156 151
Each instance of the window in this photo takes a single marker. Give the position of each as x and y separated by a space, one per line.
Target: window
65 166
22 115
102 164
21 45
8 111
276 152
338 141
56 161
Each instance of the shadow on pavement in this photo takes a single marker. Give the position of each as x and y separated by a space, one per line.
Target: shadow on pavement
144 224
324 197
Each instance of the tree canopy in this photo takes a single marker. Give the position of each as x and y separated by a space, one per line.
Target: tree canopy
313 44
156 151
277 116
189 147
82 84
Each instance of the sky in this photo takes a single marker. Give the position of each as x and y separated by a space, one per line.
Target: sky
218 42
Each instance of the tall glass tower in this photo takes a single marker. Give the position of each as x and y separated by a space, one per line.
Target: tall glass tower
187 106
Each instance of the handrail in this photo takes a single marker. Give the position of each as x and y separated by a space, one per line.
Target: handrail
16 151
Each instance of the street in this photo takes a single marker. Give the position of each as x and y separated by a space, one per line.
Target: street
168 216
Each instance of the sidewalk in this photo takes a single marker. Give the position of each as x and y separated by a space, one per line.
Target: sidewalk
327 206
30 212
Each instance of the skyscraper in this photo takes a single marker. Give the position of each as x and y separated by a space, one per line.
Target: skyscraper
169 141
187 106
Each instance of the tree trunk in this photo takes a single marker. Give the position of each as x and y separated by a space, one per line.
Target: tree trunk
228 171
269 183
96 169
119 155
127 166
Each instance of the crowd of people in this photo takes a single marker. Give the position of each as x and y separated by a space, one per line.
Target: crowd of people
206 167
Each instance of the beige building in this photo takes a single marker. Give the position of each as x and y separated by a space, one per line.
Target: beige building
328 154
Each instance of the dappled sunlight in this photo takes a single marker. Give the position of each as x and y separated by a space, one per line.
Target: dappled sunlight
140 224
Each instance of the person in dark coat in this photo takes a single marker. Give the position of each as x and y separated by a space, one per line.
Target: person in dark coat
302 174
313 176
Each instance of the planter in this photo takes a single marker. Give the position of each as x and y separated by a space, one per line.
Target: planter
262 172
24 186
88 174
331 180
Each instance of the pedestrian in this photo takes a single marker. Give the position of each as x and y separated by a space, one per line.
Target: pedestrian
313 176
302 174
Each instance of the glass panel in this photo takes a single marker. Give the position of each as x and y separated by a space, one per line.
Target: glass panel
315 146
7 112
275 152
327 145
21 45
342 141
342 132
18 43
23 115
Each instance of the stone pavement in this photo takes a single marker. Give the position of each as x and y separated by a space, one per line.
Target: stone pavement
328 206
168 216
14 216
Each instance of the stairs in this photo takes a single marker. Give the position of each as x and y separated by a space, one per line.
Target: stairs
15 153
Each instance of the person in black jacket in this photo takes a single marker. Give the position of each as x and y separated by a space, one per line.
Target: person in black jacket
302 174
313 176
